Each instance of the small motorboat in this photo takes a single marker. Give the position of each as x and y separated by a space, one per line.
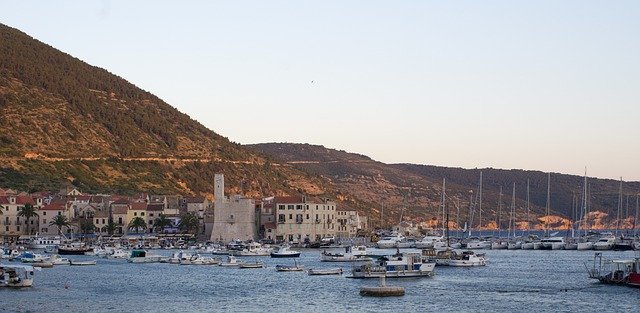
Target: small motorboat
290 268
56 259
325 271
42 264
82 263
285 252
468 259
256 264
232 262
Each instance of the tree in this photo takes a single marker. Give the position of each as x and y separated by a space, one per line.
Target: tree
189 223
137 223
59 221
162 222
111 227
27 211
87 226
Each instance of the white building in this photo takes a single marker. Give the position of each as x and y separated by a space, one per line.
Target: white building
299 219
234 217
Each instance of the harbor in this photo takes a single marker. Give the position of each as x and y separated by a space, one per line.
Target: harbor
510 280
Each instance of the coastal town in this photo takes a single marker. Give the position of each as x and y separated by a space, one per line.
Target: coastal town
74 214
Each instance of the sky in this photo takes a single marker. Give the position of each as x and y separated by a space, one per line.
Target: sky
541 85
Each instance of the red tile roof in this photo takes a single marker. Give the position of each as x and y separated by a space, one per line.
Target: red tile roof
55 206
288 199
155 207
138 206
120 210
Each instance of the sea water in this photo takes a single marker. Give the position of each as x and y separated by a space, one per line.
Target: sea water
513 280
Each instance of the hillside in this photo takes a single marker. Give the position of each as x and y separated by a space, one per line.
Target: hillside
65 122
379 183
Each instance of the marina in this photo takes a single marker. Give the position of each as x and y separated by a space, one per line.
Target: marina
510 280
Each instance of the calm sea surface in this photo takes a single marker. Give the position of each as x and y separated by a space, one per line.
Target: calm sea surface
529 281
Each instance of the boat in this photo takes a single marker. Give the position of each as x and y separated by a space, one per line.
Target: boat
82 263
197 259
622 244
290 268
428 241
552 243
441 257
30 257
253 249
16 276
325 271
118 254
231 262
256 264
56 259
468 259
584 245
405 265
42 264
42 242
285 252
74 249
515 245
178 257
351 254
389 241
604 243
143 256
615 272
476 243
499 244
9 254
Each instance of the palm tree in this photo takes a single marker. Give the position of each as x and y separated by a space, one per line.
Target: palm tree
87 226
189 222
162 222
137 223
27 211
60 221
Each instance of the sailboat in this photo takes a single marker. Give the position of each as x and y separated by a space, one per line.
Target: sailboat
478 243
584 243
550 241
513 243
621 243
499 244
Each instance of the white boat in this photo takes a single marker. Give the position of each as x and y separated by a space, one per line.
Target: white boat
256 264
515 245
527 245
351 254
499 245
197 259
143 256
290 268
604 243
430 242
552 243
405 265
118 254
585 245
571 244
16 276
285 252
42 242
325 271
468 259
9 254
58 260
254 249
82 263
231 262
478 244
178 257
389 241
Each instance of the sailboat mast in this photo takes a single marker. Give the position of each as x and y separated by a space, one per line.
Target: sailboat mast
635 220
619 206
528 211
499 213
546 220
513 212
583 210
480 208
444 194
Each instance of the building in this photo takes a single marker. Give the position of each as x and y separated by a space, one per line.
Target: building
14 225
348 222
299 219
47 213
233 217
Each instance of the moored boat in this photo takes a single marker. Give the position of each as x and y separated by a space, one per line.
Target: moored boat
256 264
468 259
604 243
290 268
82 263
143 256
615 272
325 271
285 252
74 249
552 243
16 276
231 262
405 265
351 254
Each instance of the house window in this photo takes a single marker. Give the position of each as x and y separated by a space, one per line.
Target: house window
44 213
281 218
141 213
290 207
290 216
103 221
151 214
59 212
97 221
135 213
299 207
280 206
44 221
18 227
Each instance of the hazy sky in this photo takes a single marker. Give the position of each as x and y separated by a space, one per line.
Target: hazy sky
546 85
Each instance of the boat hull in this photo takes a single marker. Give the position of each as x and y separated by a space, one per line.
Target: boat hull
287 255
